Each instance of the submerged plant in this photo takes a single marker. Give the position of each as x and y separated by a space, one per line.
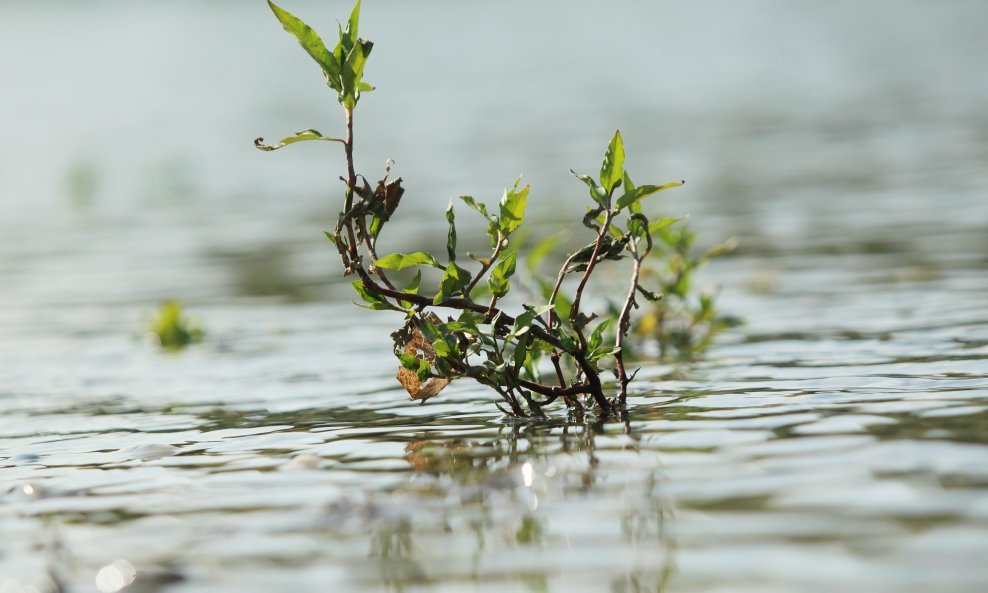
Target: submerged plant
455 323
171 329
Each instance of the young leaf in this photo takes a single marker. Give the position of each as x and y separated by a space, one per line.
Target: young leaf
454 280
348 36
400 261
353 71
596 192
513 208
298 137
451 236
311 43
353 23
612 169
632 196
504 269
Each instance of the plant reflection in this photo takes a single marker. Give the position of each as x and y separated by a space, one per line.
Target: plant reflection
501 508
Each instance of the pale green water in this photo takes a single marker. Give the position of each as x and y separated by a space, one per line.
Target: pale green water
837 442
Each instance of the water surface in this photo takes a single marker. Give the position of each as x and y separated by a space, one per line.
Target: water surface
836 442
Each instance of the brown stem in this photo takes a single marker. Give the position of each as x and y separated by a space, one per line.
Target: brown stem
624 324
371 251
554 391
351 183
593 380
485 267
578 295
555 289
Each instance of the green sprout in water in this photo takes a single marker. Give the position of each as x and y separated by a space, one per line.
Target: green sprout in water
171 329
555 349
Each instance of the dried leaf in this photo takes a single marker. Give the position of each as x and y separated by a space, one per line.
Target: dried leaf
420 348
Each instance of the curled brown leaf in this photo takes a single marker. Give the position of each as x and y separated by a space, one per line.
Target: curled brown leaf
421 348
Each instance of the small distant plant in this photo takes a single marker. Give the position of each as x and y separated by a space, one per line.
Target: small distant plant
551 350
171 329
683 323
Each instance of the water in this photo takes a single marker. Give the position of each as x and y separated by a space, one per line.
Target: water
837 441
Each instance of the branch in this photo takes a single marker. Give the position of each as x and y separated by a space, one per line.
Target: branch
487 266
578 295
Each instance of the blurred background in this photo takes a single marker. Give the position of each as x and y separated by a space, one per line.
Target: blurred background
127 172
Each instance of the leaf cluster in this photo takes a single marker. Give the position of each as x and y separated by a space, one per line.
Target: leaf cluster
455 324
343 67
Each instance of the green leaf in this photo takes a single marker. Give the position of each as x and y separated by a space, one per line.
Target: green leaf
600 352
523 323
409 361
343 46
596 192
298 137
504 269
628 184
400 261
353 23
662 223
443 348
521 350
478 206
612 169
568 341
632 196
493 224
330 236
454 280
311 43
540 251
451 236
363 87
413 286
597 335
513 208
348 36
353 71
374 302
